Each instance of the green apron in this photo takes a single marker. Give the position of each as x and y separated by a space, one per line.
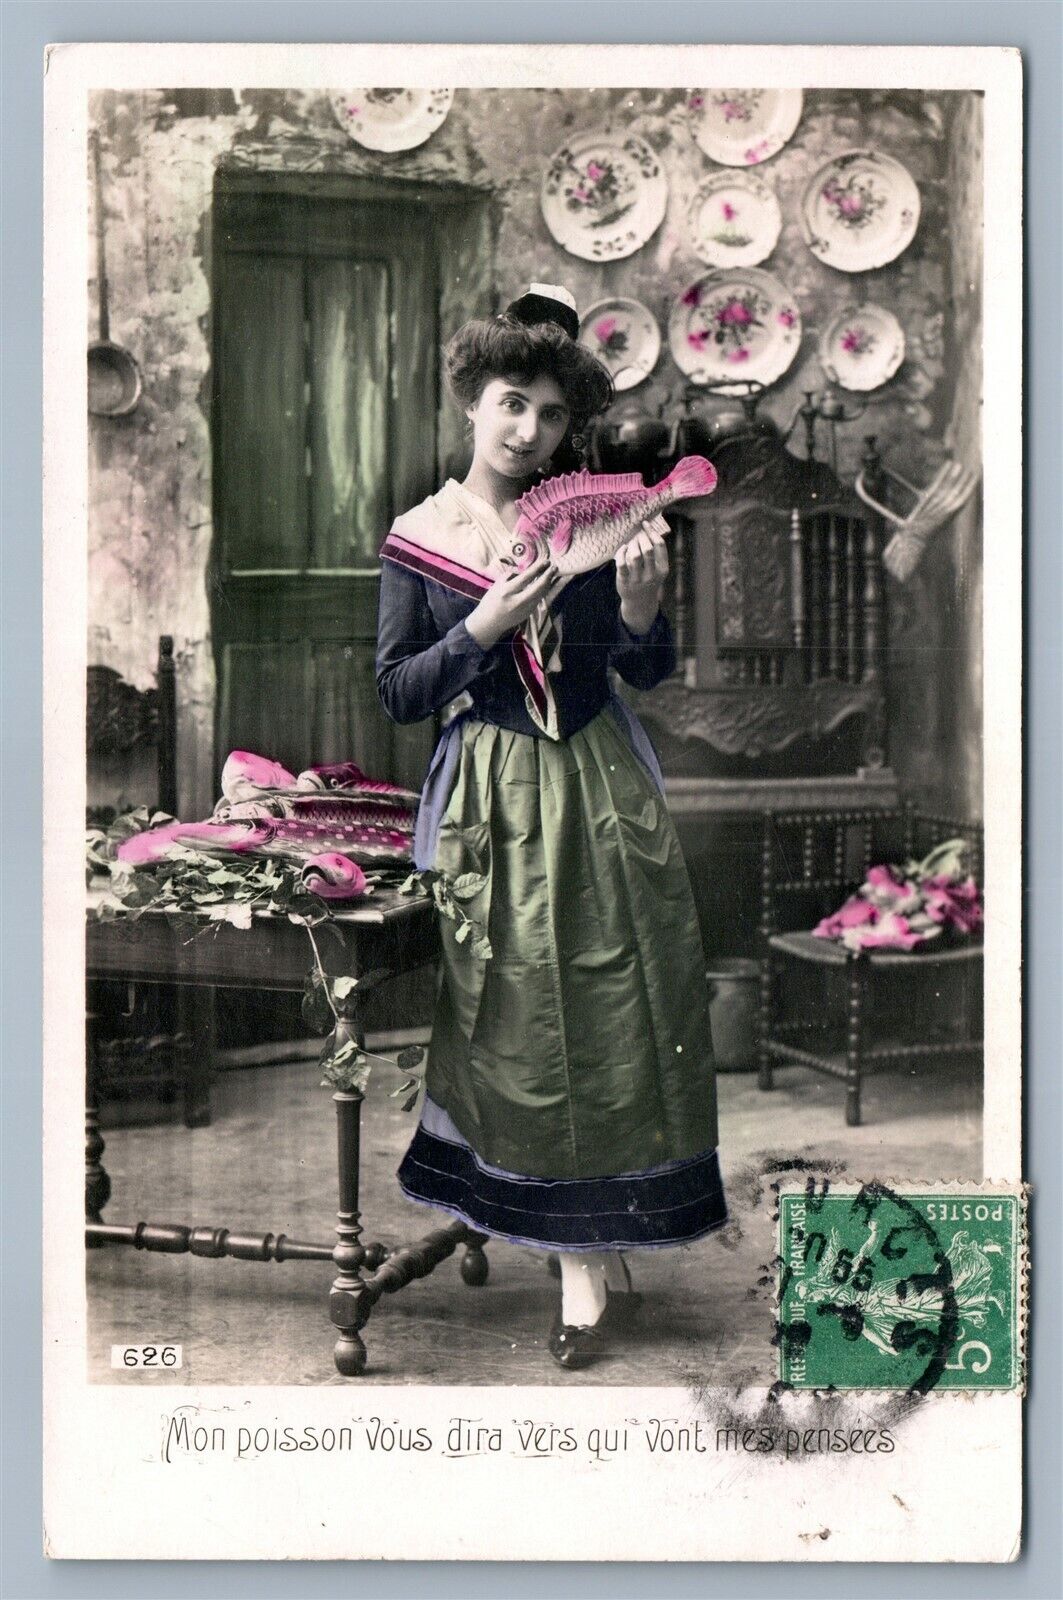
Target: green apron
581 1047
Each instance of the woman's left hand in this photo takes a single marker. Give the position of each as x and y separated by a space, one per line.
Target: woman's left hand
641 568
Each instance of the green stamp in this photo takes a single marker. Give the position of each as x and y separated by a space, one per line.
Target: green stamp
920 1291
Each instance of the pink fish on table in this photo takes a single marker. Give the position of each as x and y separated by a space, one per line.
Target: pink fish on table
585 517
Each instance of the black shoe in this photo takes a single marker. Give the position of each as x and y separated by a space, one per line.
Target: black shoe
621 1305
573 1347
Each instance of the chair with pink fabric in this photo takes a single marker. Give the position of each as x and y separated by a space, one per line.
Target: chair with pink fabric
884 977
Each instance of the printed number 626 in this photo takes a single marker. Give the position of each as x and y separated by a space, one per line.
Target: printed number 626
146 1355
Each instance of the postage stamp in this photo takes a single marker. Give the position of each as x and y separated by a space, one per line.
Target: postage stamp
916 1289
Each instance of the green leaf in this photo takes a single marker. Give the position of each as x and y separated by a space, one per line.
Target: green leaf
404 1088
482 948
468 885
342 987
409 1057
315 1008
352 1079
345 1051
462 933
408 1105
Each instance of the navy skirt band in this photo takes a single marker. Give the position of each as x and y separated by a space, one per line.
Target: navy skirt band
673 1204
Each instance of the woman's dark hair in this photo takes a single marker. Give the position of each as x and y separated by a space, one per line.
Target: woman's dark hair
502 347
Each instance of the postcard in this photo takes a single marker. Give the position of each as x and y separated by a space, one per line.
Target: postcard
532 559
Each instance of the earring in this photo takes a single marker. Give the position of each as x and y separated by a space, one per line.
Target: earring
579 445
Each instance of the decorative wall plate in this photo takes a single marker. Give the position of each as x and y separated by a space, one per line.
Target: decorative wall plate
733 219
737 324
603 196
391 119
742 127
859 211
862 347
625 337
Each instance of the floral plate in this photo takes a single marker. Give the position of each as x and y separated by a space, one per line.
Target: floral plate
737 324
625 337
391 119
859 211
733 220
862 347
602 197
742 127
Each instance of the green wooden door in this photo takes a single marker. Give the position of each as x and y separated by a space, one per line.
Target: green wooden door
325 395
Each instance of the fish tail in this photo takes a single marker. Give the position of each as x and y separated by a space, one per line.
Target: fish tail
691 477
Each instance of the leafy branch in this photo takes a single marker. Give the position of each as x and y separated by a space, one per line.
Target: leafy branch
207 889
449 895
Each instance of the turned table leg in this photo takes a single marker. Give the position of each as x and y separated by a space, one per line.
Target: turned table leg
474 1267
349 1306
97 1183
195 1018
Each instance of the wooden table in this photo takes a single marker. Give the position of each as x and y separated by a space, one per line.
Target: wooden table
391 932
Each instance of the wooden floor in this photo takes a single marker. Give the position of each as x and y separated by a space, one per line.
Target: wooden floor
267 1162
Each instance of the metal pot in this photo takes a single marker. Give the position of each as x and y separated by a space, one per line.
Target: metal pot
114 376
733 988
631 440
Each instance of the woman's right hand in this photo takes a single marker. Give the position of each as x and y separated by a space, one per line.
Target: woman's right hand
511 600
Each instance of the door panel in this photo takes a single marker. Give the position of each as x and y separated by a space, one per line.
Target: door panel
261 425
263 696
349 315
326 332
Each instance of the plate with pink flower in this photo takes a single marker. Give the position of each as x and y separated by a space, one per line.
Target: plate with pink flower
603 196
742 127
391 119
741 324
733 219
862 347
859 211
625 337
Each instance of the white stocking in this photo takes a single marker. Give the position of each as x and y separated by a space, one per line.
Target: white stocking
582 1288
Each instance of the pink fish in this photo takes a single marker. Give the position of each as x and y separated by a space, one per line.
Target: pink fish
245 774
585 517
214 837
333 876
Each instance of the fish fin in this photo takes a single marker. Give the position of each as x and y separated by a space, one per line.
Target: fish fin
561 537
546 497
691 477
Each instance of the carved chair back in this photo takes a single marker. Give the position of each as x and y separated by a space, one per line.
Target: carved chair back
122 719
811 861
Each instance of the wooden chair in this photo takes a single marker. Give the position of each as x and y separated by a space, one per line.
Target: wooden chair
155 1038
837 1011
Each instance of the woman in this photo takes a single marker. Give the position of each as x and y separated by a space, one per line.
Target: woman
570 1097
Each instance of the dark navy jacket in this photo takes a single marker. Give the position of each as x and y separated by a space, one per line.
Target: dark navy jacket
426 656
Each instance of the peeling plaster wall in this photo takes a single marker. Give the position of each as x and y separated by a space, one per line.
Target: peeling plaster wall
150 474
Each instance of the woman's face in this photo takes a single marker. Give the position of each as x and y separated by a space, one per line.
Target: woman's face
518 424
